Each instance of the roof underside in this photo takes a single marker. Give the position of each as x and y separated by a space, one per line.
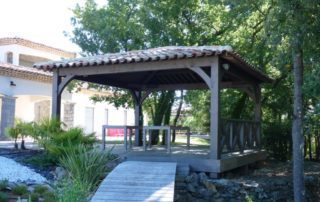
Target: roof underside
239 71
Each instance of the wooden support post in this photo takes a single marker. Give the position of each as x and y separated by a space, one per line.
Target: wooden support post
103 138
213 81
138 117
126 138
257 114
214 109
144 139
168 140
56 95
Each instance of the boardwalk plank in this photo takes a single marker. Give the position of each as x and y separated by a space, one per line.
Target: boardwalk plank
138 181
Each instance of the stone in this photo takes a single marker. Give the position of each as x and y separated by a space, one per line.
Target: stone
280 182
202 177
222 182
193 178
189 198
218 200
251 184
191 188
210 186
310 179
205 193
30 182
262 195
59 173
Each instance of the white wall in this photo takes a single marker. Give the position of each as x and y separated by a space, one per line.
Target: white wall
115 116
29 92
18 49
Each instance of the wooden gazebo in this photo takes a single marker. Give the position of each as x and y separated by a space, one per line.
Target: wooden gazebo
173 68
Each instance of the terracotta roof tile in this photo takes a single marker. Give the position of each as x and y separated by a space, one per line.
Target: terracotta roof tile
154 54
22 72
37 46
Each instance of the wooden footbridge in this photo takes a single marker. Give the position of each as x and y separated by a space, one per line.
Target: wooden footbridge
138 181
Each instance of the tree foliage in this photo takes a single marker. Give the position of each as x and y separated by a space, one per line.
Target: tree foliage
264 31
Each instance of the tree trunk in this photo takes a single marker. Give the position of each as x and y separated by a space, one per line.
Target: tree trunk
310 146
166 122
305 151
164 103
317 144
297 133
177 116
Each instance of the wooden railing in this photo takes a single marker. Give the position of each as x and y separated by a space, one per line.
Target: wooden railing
239 135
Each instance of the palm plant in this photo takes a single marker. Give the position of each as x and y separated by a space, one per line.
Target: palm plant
14 134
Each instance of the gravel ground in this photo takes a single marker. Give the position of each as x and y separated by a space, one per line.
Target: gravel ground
15 172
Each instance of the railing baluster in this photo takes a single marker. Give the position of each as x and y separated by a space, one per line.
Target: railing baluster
258 135
241 137
231 136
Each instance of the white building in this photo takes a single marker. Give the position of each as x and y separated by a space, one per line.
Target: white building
25 92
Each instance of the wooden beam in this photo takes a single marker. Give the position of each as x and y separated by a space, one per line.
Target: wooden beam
65 82
137 67
203 75
56 95
215 109
149 77
240 75
183 86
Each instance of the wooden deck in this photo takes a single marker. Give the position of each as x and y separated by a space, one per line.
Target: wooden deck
138 181
197 158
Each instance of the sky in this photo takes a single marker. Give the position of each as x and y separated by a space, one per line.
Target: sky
42 21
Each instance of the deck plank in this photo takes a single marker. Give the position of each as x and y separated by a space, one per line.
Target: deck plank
138 181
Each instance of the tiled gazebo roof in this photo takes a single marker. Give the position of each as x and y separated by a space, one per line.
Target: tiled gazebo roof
155 54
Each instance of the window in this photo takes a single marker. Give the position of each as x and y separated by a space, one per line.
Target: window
10 57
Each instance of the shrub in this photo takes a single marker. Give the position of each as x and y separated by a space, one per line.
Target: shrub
3 184
43 131
277 140
49 197
50 135
40 160
21 129
40 189
86 166
71 191
14 134
63 142
4 197
20 190
34 197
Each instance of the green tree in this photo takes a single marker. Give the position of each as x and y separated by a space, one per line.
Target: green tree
136 24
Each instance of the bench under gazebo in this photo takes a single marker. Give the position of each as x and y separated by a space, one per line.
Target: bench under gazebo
233 143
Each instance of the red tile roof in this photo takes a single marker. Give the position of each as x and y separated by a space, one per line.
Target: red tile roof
37 46
154 54
22 72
